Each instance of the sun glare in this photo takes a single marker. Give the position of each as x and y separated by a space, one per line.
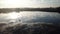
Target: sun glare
13 15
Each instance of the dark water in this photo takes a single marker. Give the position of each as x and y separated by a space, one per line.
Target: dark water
45 17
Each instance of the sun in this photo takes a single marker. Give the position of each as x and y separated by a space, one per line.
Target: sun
13 15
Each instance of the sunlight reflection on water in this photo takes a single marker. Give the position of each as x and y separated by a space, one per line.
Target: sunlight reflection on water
29 17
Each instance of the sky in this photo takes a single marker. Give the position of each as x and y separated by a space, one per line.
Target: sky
29 3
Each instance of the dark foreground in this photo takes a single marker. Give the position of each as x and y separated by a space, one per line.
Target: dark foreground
30 29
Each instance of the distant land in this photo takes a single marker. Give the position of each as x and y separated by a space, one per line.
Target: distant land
50 9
